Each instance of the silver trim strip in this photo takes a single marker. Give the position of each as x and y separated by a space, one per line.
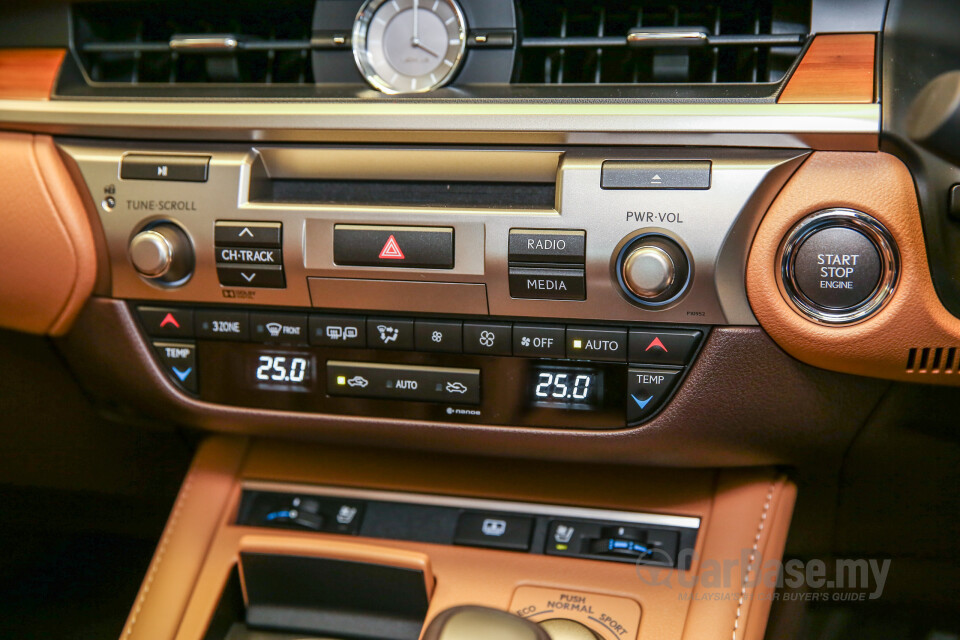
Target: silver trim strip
202 43
654 38
816 126
504 506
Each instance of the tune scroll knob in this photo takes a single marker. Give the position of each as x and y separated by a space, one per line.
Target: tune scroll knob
653 270
162 253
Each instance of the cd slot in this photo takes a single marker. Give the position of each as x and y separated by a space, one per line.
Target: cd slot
420 194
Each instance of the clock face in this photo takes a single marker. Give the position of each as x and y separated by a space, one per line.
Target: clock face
409 46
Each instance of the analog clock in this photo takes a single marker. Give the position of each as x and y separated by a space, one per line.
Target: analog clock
409 46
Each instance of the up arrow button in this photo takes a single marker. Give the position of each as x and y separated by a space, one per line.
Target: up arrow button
240 233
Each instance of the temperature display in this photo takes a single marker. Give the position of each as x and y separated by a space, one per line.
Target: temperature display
566 387
283 371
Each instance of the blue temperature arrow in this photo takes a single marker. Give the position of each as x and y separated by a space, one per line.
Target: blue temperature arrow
183 374
641 403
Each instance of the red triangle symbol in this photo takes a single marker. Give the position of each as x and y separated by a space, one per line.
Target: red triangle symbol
169 319
656 343
391 250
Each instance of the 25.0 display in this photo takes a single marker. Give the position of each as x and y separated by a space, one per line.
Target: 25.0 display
566 387
283 371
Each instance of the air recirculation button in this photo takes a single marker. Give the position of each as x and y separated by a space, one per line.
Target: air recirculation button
838 266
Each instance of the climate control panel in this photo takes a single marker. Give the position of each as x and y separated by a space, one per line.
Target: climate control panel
453 369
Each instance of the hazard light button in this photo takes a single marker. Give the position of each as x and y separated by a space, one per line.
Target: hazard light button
663 346
376 246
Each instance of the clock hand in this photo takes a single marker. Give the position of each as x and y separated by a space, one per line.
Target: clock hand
418 45
416 24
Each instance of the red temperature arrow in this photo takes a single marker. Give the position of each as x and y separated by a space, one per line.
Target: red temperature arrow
656 343
169 319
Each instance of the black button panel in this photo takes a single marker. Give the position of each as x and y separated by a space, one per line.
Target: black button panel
657 357
650 539
547 264
136 166
249 254
375 246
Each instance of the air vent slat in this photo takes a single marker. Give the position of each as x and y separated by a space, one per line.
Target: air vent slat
657 41
244 41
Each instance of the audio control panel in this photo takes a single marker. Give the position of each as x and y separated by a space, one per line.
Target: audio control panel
581 234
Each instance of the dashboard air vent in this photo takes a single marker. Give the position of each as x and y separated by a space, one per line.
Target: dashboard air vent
659 41
242 41
933 360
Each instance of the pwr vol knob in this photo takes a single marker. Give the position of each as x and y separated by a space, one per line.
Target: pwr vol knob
162 253
653 270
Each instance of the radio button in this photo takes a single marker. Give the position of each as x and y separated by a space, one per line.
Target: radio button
163 322
597 344
167 168
279 328
663 346
252 255
223 325
547 245
487 338
384 333
179 360
239 233
338 331
246 276
410 247
539 341
647 389
431 335
547 284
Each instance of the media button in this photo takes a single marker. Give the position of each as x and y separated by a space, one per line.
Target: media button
279 328
434 335
539 341
597 344
663 346
338 331
547 284
384 333
487 338
647 389
179 360
162 322
223 325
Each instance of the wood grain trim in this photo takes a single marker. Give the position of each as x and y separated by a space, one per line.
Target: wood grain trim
835 69
29 74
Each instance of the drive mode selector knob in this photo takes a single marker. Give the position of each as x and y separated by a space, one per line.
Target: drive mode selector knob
162 253
564 629
838 266
653 270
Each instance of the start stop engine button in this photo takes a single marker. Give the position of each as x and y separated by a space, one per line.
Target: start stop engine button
838 266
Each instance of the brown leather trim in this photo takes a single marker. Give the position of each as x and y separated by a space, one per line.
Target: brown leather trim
201 546
29 74
205 495
49 255
836 68
880 185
